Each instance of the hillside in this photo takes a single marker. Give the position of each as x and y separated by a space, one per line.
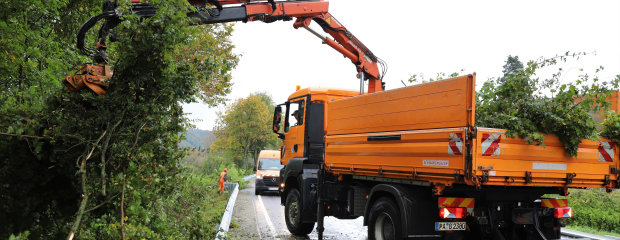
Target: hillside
197 138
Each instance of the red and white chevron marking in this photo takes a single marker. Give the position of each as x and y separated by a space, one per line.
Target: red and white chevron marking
455 146
606 152
490 144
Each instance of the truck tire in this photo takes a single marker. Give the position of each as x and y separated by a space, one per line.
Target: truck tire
384 219
292 214
256 192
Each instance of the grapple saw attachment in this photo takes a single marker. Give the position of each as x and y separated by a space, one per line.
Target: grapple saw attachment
93 77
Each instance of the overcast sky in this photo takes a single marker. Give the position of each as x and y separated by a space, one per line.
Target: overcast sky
422 37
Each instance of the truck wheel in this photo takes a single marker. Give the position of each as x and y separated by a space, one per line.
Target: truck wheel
256 192
383 221
292 214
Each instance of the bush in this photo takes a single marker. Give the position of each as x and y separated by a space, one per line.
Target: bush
595 208
191 210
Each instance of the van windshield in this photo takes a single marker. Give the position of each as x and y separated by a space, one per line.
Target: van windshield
269 164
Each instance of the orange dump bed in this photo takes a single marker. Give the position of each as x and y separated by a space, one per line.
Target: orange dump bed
426 133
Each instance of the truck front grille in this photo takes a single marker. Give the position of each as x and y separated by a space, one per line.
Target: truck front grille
271 181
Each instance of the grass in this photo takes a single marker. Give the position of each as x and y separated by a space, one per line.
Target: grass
593 231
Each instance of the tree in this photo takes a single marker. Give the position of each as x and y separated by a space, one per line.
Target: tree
512 66
100 167
244 128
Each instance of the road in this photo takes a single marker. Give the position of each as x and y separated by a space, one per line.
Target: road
266 215
262 217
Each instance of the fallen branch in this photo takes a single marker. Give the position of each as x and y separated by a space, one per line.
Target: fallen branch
24 136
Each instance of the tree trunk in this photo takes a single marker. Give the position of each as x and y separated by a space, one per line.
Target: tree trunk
84 201
123 207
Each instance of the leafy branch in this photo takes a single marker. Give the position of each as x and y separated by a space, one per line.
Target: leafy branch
529 107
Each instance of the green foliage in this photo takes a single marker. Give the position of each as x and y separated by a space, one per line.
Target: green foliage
36 52
419 78
595 208
191 210
214 163
530 107
244 129
611 125
21 236
73 162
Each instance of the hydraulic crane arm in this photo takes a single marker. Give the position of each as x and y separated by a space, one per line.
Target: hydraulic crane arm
214 11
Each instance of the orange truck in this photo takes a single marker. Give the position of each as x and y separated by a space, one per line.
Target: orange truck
412 162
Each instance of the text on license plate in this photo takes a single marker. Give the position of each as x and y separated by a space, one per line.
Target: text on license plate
273 188
449 226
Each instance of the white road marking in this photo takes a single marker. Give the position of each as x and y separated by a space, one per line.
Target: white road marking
269 223
256 219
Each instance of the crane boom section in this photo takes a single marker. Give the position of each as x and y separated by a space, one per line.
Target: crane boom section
305 11
214 11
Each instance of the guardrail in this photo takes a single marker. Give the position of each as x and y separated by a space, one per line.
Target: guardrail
222 229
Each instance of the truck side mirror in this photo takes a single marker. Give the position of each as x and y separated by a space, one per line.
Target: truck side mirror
277 119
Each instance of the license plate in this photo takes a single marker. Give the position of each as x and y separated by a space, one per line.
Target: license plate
273 189
450 226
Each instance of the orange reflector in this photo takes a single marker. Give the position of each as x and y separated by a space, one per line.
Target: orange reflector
554 203
454 202
563 212
452 212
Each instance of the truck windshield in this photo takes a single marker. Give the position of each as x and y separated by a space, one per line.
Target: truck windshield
269 164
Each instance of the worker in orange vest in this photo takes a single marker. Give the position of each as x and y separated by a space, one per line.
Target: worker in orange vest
223 179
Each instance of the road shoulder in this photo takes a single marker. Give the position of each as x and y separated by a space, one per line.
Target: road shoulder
244 217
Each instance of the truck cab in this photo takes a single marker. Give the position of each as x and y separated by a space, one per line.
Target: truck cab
302 135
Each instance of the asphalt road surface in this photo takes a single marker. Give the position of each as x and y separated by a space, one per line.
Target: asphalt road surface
262 217
266 215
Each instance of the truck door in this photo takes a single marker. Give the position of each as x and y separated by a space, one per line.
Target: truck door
315 131
293 144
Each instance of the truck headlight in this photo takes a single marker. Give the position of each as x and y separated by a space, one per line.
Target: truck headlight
258 176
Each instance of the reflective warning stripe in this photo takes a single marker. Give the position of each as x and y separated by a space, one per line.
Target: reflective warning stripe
554 203
455 146
490 144
451 202
606 152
